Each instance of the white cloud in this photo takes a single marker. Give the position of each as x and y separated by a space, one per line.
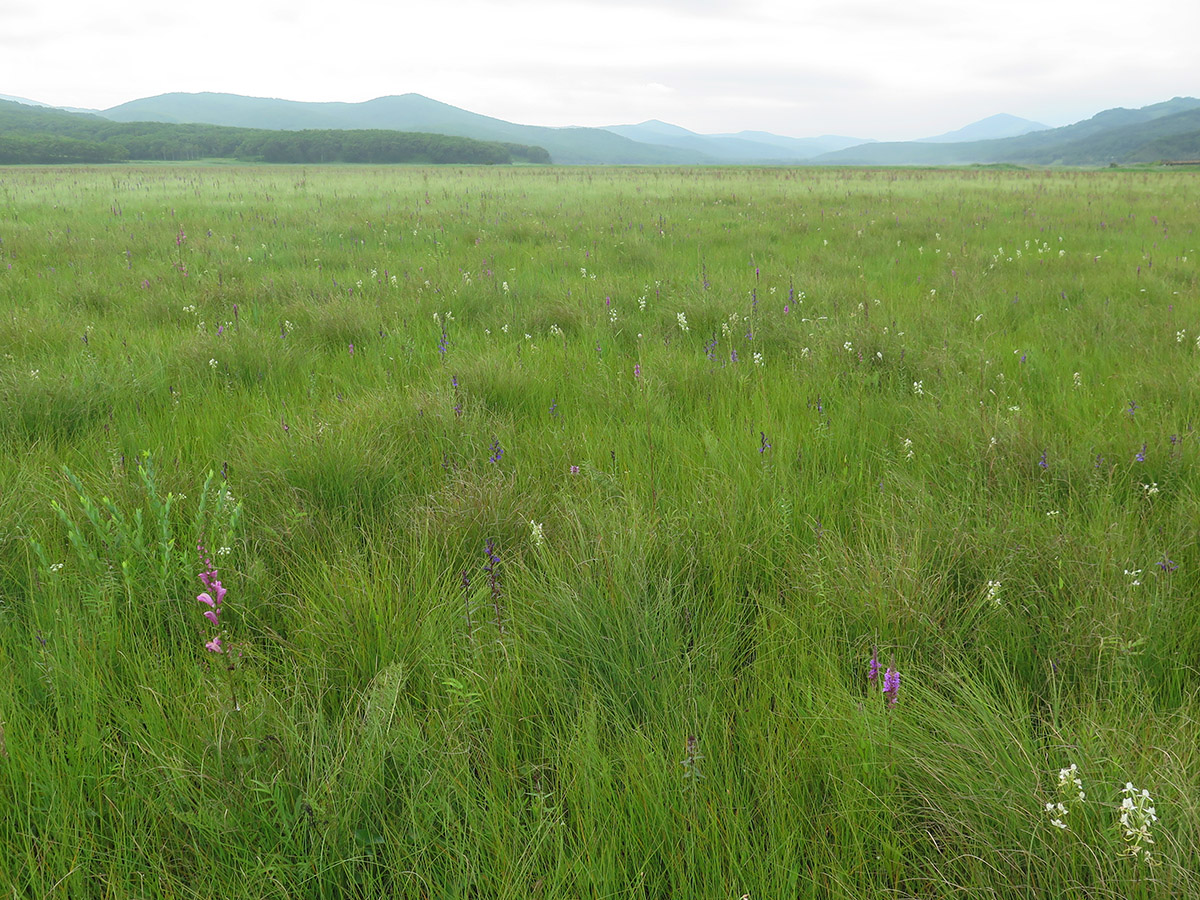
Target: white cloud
862 67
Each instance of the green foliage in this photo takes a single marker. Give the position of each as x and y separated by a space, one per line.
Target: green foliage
537 587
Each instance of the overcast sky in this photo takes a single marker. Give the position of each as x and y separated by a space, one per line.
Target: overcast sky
884 69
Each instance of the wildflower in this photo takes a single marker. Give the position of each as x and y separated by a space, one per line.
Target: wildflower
536 533
1078 379
574 470
1042 462
873 669
919 388
637 370
891 686
908 449
497 451
214 646
681 319
758 360
993 591
1137 815
1140 456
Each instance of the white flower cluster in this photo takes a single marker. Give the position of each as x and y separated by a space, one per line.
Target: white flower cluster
1137 815
1070 790
682 320
536 534
993 595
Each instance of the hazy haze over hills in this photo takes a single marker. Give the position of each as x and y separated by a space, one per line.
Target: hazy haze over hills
1166 130
1001 125
1115 135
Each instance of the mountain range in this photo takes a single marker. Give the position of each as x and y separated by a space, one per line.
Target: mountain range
1169 130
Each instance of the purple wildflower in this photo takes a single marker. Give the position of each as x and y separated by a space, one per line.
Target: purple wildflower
873 671
891 686
1141 454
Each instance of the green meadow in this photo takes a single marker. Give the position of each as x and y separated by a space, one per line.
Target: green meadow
559 515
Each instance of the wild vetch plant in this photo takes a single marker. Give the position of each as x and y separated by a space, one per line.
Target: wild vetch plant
135 549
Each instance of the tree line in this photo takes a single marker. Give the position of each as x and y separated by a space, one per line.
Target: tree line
37 135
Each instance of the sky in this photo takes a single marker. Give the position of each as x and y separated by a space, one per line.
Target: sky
881 69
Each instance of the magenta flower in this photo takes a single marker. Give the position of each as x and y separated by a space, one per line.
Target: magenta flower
214 646
211 615
206 598
873 672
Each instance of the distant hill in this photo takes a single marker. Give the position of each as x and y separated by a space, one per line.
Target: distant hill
1160 131
405 112
744 147
21 100
30 134
1001 125
1168 130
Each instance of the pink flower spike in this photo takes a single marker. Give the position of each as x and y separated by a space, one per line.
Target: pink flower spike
211 615
206 598
214 646
219 590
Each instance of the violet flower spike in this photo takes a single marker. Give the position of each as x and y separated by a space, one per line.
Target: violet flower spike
873 672
891 686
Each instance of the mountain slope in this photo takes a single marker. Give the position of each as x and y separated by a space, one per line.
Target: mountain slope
1001 125
1114 135
405 112
31 134
745 147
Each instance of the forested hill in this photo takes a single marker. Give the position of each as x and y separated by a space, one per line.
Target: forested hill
49 136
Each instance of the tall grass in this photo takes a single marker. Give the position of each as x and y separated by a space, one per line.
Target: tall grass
727 433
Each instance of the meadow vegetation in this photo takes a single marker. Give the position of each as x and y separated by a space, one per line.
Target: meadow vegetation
571 523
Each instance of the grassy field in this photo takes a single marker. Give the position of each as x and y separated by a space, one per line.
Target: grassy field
559 515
